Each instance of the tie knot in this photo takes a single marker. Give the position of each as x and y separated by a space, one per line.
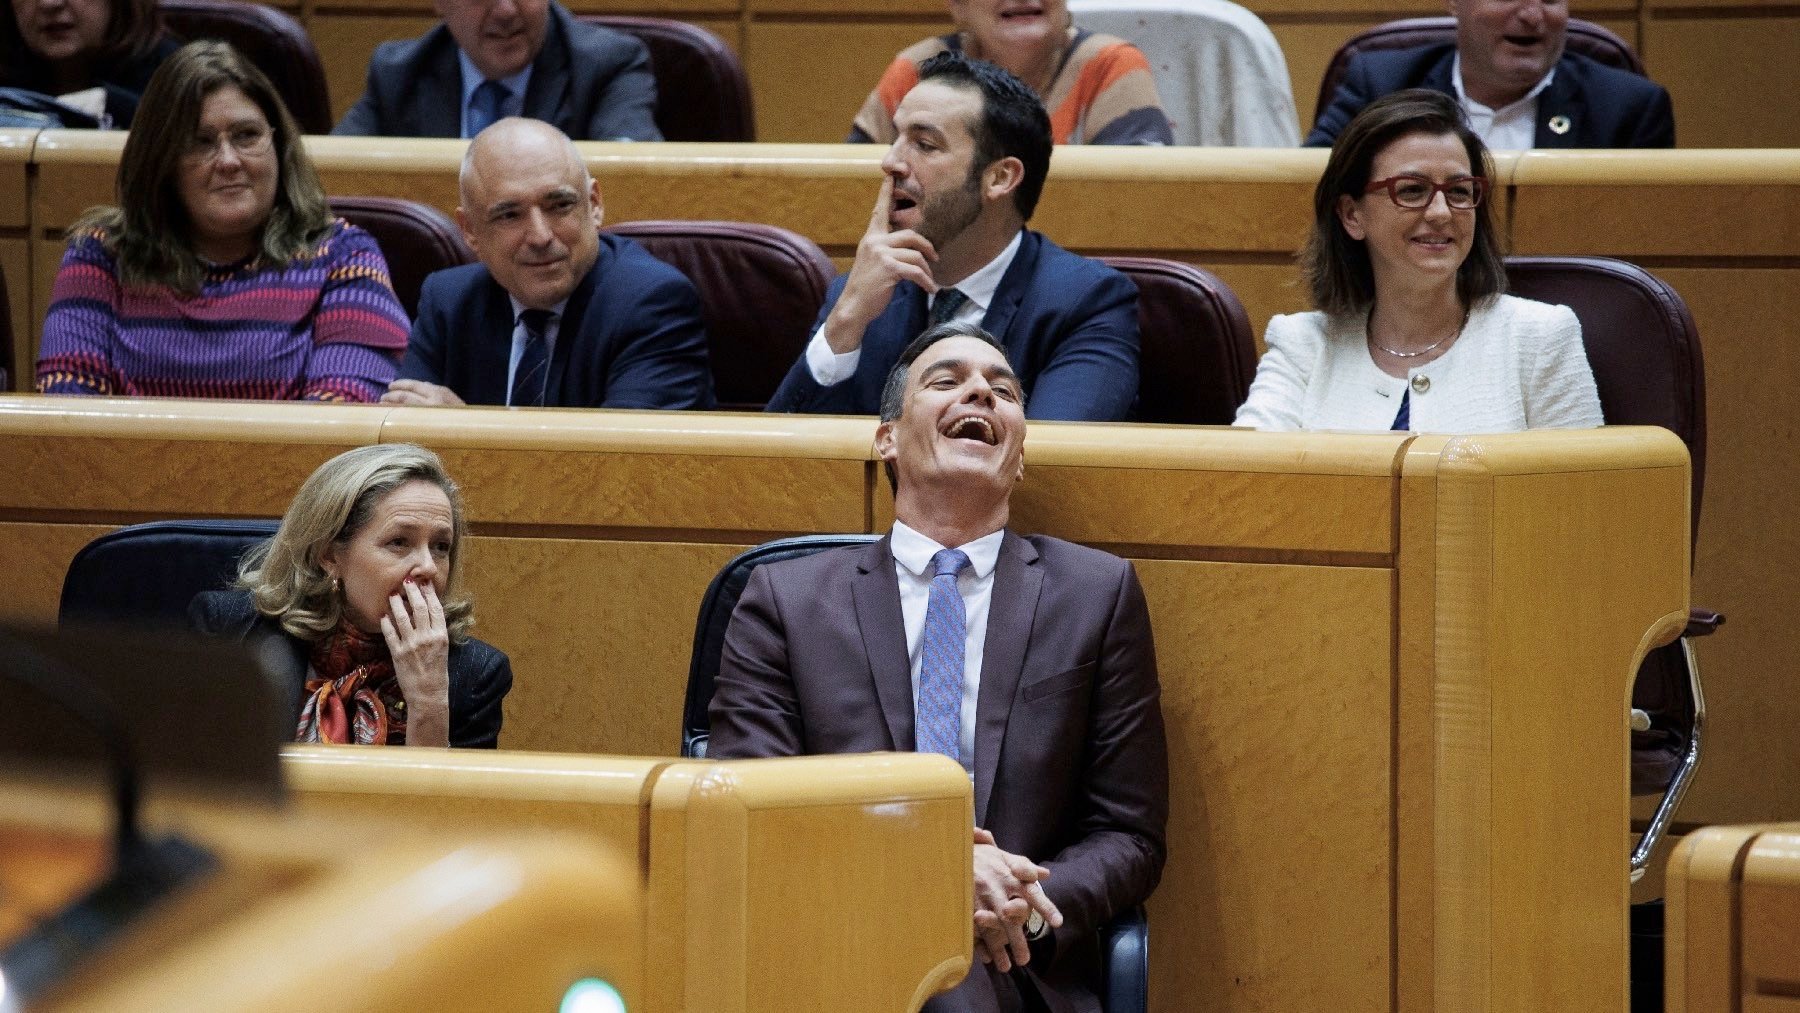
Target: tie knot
945 304
493 92
537 322
948 563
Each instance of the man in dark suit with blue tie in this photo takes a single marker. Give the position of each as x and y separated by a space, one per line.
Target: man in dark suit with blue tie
491 59
1029 660
556 313
947 241
1516 82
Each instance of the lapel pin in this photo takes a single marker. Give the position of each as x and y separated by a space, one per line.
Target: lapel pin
1559 125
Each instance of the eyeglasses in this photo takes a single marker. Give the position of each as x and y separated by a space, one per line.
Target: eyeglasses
245 140
1415 192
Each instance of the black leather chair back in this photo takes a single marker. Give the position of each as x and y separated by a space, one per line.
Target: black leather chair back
147 573
1197 354
416 239
760 290
1584 37
271 40
716 606
702 93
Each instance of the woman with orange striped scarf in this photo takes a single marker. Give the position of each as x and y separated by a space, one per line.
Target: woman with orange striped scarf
1097 88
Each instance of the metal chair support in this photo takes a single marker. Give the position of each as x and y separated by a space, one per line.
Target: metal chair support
1684 774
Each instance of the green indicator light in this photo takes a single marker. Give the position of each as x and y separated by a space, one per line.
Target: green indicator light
591 995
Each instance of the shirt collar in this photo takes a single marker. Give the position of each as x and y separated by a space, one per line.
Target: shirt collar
914 551
518 307
471 79
1463 96
981 286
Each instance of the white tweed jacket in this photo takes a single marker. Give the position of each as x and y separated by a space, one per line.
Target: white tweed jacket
1518 365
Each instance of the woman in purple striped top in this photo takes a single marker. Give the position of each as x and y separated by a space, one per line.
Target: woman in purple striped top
222 273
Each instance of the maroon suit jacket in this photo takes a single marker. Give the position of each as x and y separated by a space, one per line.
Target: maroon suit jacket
1071 770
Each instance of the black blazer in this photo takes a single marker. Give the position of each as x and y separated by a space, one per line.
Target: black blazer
1603 107
592 83
480 675
631 336
1069 324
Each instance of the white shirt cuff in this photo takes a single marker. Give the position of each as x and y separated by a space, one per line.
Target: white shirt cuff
827 367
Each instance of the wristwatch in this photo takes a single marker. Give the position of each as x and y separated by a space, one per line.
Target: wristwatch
1036 927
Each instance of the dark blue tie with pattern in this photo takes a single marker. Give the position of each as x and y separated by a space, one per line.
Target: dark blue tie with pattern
534 362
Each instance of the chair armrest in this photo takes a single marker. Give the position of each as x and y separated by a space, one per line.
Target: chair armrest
1125 963
1702 621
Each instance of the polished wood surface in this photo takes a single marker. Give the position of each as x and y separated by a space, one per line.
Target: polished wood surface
1367 696
15 245
830 840
1733 915
351 914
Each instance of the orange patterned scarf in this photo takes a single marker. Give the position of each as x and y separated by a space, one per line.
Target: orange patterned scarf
351 692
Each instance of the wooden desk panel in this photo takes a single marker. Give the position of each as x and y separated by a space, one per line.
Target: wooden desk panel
1733 916
15 250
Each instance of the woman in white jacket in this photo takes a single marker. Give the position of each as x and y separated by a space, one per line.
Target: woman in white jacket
1412 329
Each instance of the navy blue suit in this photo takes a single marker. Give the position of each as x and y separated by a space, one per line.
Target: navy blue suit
592 83
630 336
1069 324
1605 107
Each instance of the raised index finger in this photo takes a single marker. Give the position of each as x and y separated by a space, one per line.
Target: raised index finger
880 222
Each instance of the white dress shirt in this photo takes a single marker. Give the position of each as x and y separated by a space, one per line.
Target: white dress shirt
912 565
519 337
471 80
829 368
1511 127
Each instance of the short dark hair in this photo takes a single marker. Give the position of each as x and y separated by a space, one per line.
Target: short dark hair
132 33
150 232
893 392
1337 267
1013 121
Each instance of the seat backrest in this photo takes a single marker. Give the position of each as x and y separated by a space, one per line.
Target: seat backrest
416 239
147 573
1584 37
716 606
702 93
1197 354
1641 344
268 38
1221 75
760 291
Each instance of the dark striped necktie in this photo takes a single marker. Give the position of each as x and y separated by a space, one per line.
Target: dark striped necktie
533 370
946 305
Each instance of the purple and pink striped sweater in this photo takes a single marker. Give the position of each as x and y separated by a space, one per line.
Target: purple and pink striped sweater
325 328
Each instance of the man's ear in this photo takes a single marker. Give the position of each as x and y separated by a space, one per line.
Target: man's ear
1000 179
1351 217
1020 477
462 222
599 204
885 447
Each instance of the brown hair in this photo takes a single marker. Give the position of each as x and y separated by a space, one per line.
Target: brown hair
149 232
131 33
1337 267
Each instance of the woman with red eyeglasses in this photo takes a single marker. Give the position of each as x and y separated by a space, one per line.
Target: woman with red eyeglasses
1413 329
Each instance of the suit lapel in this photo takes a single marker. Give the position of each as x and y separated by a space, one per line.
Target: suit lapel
493 347
883 629
1011 292
569 327
1017 581
544 99
1560 105
1438 77
444 77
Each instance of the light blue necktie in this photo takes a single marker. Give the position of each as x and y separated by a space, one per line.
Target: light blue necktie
487 105
533 370
937 716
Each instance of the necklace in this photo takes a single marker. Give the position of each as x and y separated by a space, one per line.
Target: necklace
1367 329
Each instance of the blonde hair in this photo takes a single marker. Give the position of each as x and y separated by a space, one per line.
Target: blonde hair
285 575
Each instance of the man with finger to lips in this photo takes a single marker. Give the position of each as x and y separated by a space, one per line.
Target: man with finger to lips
947 242
1029 660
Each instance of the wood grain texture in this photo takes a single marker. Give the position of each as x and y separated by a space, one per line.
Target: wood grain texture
19 276
1702 924
1273 676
